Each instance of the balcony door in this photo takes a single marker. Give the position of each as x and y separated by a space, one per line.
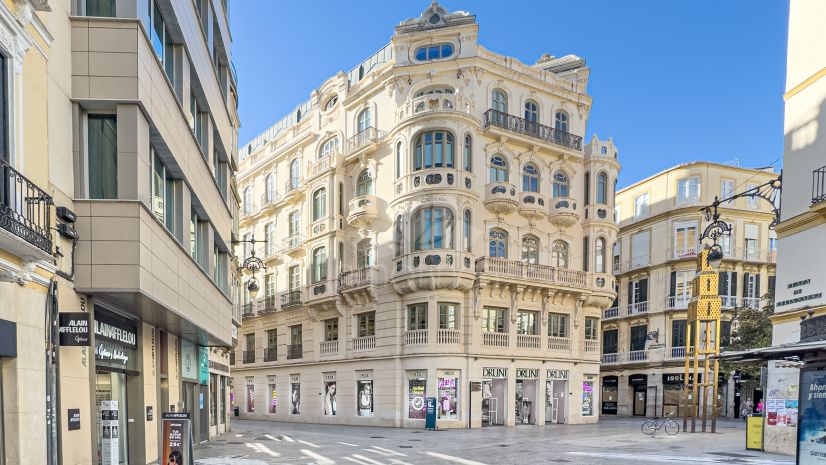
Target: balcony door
685 239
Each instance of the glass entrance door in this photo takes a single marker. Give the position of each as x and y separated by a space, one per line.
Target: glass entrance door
639 400
110 387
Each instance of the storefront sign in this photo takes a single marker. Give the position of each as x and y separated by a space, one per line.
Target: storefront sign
797 292
638 379
329 376
527 373
678 378
203 365
189 361
111 352
74 329
610 381
557 375
74 419
115 340
115 329
217 366
177 438
417 374
811 434
494 372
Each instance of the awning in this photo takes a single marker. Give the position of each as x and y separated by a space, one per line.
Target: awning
780 352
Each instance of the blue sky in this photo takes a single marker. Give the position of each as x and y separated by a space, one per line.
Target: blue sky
671 81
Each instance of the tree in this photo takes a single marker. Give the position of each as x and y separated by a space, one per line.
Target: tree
752 330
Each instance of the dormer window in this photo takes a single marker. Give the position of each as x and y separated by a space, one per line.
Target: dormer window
331 103
434 52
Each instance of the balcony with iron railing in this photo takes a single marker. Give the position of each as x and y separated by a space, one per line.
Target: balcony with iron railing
359 277
728 301
25 215
515 124
637 308
248 356
611 359
248 310
819 185
365 139
637 356
295 351
270 354
750 302
677 302
290 299
293 244
684 251
268 304
269 200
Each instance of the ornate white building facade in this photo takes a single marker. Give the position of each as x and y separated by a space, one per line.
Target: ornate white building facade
433 227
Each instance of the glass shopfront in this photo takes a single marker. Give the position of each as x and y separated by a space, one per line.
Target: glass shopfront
416 394
639 393
556 385
494 393
250 395
330 388
587 398
116 346
610 395
448 401
526 380
272 401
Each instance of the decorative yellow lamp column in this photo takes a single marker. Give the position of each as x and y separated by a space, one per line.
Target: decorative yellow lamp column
703 341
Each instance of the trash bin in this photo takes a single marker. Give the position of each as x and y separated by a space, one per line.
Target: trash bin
236 411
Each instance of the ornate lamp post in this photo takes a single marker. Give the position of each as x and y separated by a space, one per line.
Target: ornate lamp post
252 264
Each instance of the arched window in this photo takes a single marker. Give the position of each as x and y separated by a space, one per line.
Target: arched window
329 147
498 243
599 253
319 204
364 120
559 254
364 183
531 111
398 236
295 172
530 249
499 101
433 228
434 149
434 52
468 153
560 184
602 186
530 178
498 169
248 206
331 103
319 264
561 121
398 160
364 253
466 231
269 184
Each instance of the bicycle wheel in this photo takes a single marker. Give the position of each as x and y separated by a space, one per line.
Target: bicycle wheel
672 427
648 427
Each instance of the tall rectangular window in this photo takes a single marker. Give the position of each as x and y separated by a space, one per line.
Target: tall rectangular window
269 285
331 329
678 333
726 188
103 157
366 324
751 233
557 325
294 283
688 190
493 320
163 193
685 239
640 249
101 8
638 335
296 335
162 42
198 239
527 322
219 268
272 338
610 341
591 328
448 316
417 316
641 206
752 202
585 254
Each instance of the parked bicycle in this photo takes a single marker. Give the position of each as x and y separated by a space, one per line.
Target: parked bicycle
649 427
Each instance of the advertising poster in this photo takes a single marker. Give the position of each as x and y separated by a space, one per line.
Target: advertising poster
587 398
811 434
295 399
110 451
416 398
177 439
448 408
781 403
365 397
330 398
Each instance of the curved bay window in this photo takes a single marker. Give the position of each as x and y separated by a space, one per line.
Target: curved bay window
398 236
364 253
498 243
560 186
433 228
434 149
466 231
364 120
530 178
599 253
329 147
319 264
559 254
319 204
561 121
602 188
530 249
531 111
364 183
498 169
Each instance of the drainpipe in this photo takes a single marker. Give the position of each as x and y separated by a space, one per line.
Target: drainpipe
52 442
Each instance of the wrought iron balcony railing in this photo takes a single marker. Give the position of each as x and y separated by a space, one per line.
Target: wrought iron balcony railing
25 208
270 354
819 185
529 128
290 299
295 351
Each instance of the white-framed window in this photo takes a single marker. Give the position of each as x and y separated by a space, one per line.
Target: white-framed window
530 178
498 169
560 187
493 320
163 193
681 284
498 243
319 204
754 201
602 189
293 225
295 173
688 190
364 183
398 236
328 148
751 235
294 279
417 316
468 153
433 228
499 100
726 188
364 253
557 325
531 111
434 149
467 217
269 239
448 315
685 239
319 264
366 324
559 254
641 206
269 186
527 322
561 121
364 120
599 255
640 249
530 249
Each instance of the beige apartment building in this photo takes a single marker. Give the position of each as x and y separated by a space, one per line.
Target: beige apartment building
118 149
434 226
654 262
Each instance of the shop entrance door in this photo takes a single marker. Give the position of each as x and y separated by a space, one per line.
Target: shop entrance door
639 400
555 401
525 401
111 386
493 401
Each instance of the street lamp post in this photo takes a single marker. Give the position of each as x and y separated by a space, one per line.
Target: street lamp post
252 264
704 310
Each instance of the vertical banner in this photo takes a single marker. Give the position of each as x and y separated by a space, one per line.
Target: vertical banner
177 439
811 434
109 451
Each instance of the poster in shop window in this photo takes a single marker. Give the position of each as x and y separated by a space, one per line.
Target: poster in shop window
811 434
295 399
587 398
177 439
416 399
330 398
448 402
365 398
109 444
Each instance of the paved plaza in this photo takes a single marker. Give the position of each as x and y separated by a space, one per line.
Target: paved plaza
612 441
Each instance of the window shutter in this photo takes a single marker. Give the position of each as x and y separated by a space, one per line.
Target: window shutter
732 285
722 283
772 284
630 298
643 290
757 292
745 285
673 283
